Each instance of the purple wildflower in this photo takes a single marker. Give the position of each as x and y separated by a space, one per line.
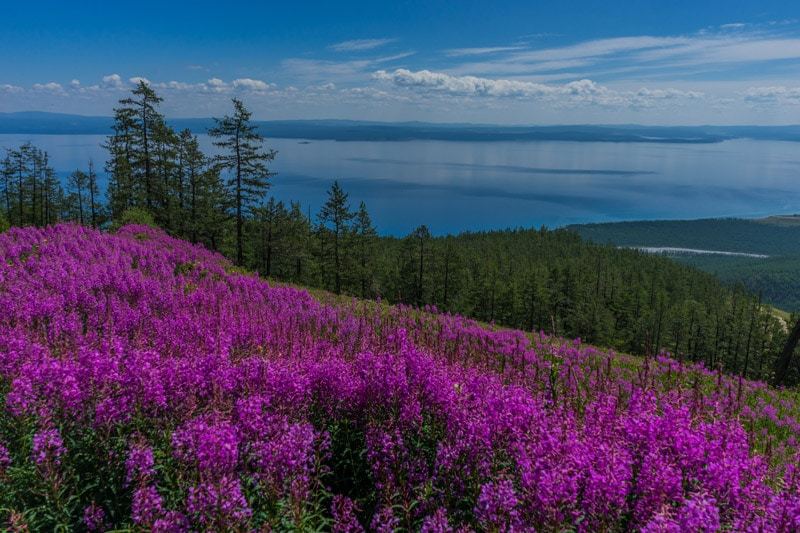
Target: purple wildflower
249 375
212 447
5 459
497 506
171 522
218 504
147 506
384 521
699 513
437 522
343 510
48 447
139 465
94 517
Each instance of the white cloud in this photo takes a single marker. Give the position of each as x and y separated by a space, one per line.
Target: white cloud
461 85
772 95
458 52
138 79
176 85
250 84
49 86
357 45
8 88
600 48
216 85
75 84
575 92
732 48
668 94
113 80
322 71
722 50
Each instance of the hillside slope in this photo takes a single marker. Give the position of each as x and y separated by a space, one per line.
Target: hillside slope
146 383
775 277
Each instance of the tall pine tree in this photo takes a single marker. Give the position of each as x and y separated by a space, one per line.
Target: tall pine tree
78 182
246 160
365 235
138 131
334 219
93 192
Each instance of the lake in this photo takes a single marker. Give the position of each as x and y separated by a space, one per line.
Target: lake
454 186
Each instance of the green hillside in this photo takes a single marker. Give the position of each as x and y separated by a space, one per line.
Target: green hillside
776 278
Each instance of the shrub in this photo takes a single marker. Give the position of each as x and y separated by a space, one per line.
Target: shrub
134 215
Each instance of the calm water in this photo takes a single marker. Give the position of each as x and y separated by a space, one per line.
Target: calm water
453 186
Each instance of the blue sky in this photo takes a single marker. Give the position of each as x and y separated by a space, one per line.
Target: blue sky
532 62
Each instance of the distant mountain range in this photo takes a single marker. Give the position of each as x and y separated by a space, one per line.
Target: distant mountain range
39 122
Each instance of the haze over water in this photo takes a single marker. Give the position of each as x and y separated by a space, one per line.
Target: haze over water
456 186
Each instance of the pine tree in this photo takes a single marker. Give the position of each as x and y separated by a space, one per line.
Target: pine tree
215 204
334 219
784 362
91 186
20 160
365 235
166 185
245 159
194 175
270 220
122 188
78 183
144 102
7 173
421 237
37 161
299 245
137 152
53 196
29 187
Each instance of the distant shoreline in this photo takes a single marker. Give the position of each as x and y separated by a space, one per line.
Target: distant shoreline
671 250
45 123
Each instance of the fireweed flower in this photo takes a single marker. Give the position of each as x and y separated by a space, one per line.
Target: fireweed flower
48 447
147 506
699 513
343 510
5 459
171 522
212 447
497 506
139 466
218 504
286 461
94 517
662 523
137 333
436 523
384 521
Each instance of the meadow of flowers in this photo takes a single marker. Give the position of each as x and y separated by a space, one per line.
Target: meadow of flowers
148 385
